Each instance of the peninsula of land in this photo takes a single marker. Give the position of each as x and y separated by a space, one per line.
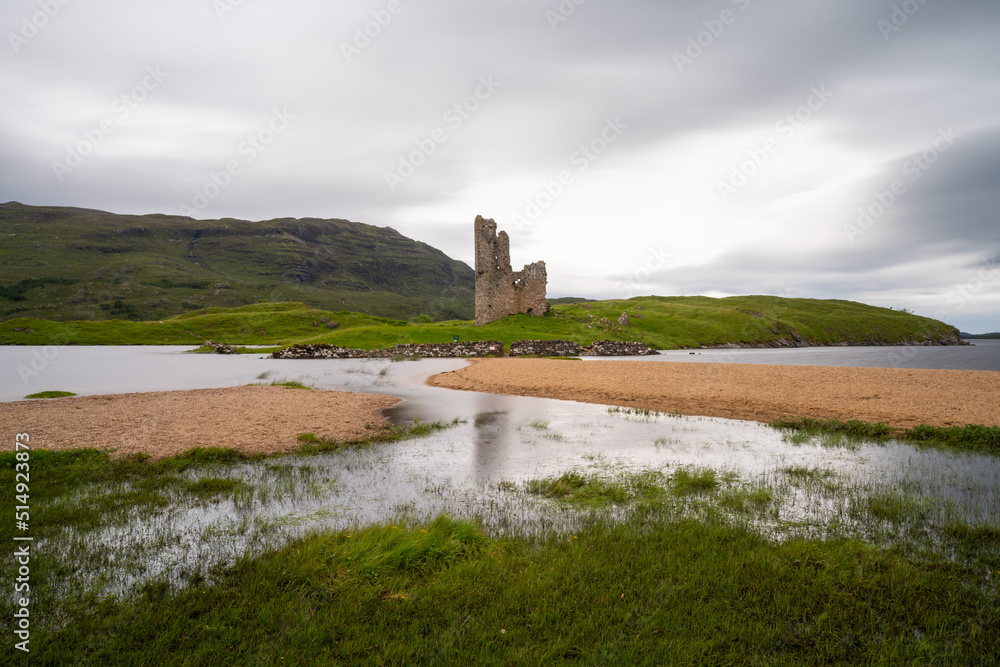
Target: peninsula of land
901 398
252 420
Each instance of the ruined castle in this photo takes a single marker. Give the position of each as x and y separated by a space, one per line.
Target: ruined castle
499 290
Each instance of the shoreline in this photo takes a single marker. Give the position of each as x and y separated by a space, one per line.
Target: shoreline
902 398
253 419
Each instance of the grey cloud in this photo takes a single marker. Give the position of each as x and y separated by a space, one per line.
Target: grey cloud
355 119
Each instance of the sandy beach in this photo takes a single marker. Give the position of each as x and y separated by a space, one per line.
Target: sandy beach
254 419
902 398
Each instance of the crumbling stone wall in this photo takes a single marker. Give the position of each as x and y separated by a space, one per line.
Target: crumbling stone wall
544 348
500 291
479 348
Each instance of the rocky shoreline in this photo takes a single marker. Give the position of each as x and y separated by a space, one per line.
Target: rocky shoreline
557 348
488 348
797 341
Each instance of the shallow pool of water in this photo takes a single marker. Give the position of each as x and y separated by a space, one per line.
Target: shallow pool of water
477 467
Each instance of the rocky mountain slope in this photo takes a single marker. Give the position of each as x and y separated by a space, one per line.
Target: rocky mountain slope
78 264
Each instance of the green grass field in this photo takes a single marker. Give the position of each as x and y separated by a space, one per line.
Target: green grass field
666 569
660 322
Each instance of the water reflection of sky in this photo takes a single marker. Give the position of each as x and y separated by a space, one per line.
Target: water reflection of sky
982 355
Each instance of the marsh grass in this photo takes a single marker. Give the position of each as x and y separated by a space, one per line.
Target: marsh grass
747 500
802 473
291 384
313 444
651 588
87 489
598 489
209 488
683 565
687 481
971 437
205 501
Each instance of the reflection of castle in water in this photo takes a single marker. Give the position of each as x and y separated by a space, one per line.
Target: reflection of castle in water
493 437
501 291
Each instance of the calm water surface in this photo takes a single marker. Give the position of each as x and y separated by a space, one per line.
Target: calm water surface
982 355
497 444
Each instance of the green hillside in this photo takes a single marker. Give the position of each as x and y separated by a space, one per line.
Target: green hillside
660 322
79 264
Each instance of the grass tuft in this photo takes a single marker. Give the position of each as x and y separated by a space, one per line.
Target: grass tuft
971 437
853 428
51 394
688 481
292 384
313 444
209 487
593 490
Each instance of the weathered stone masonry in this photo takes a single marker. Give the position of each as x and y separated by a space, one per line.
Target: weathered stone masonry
501 291
480 348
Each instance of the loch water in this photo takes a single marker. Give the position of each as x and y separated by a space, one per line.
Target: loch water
478 466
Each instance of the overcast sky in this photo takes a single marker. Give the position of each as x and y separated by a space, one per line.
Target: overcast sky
825 149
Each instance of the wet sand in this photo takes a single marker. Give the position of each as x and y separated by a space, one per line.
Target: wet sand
254 419
902 398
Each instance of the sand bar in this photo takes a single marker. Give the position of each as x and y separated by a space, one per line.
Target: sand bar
254 419
902 398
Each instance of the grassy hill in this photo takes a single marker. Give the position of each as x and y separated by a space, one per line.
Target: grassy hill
661 322
79 264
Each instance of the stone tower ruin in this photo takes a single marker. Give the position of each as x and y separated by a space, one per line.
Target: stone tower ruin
499 290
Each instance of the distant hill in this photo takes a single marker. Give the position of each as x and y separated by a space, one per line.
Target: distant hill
569 299
994 335
78 264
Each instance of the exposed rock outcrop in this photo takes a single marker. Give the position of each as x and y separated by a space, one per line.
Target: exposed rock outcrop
220 348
